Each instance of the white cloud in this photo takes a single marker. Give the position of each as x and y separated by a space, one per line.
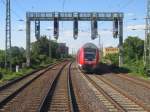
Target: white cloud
69 33
137 27
84 37
49 28
130 14
106 33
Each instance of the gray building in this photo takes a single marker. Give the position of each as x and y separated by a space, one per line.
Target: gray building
63 49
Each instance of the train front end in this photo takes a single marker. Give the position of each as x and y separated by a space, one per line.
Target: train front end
88 57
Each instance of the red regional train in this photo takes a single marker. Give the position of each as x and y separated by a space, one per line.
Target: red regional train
88 57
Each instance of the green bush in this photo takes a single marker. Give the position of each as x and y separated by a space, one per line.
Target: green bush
113 58
1 75
136 67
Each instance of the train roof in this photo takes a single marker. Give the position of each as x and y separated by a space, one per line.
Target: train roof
90 45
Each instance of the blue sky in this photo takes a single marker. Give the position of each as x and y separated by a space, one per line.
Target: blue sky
131 9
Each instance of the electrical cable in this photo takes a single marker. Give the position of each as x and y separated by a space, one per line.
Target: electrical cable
17 16
63 7
129 2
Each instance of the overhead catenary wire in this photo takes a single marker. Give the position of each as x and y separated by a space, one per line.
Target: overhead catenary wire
17 16
63 8
2 1
20 5
63 5
124 6
120 5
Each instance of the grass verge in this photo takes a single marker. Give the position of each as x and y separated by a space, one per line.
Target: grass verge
6 75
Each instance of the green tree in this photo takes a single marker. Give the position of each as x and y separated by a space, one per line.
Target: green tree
114 58
2 58
40 46
133 48
18 55
133 54
40 50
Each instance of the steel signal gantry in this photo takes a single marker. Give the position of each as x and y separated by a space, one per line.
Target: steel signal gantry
116 17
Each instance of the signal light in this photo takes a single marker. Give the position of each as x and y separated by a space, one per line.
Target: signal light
37 29
115 28
56 28
75 28
94 29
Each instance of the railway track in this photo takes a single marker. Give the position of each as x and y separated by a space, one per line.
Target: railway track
137 89
59 97
132 99
112 98
79 104
10 90
137 81
54 89
22 97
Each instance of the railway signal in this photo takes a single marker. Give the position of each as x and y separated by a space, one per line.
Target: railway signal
94 26
56 28
37 29
75 29
115 28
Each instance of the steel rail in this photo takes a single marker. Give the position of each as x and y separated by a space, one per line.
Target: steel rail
13 94
24 76
137 101
44 104
117 106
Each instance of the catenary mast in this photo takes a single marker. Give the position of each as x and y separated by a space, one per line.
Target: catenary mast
8 36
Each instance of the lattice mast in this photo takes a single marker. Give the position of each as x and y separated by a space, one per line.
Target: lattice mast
8 36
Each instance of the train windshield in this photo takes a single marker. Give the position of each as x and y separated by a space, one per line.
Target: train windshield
89 54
